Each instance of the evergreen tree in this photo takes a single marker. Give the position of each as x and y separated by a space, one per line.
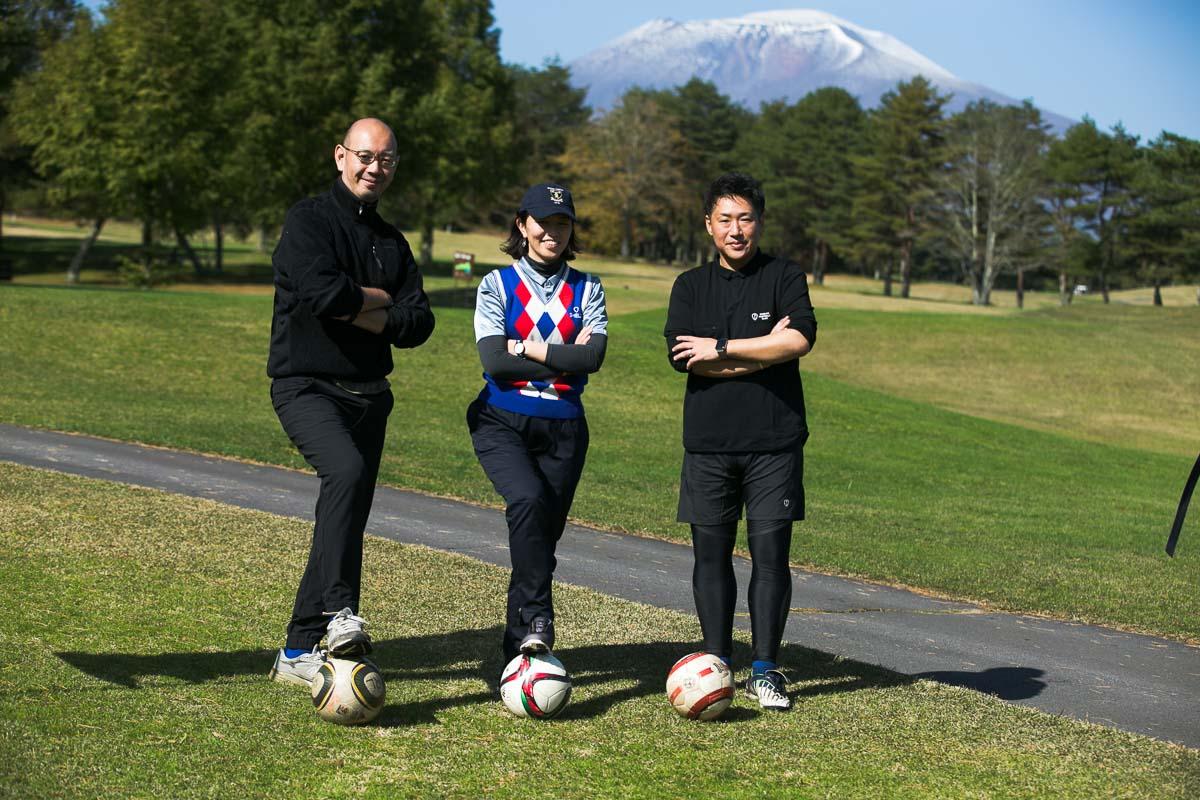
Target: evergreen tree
826 129
710 125
548 110
896 173
462 131
771 149
1164 212
1091 171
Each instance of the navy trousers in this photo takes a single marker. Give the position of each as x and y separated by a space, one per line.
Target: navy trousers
340 435
535 464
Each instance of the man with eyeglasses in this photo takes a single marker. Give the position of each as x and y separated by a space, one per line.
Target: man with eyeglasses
347 290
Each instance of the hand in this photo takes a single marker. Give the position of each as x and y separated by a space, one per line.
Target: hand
695 349
585 334
782 325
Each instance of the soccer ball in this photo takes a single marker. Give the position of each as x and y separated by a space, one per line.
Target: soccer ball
348 692
700 686
535 686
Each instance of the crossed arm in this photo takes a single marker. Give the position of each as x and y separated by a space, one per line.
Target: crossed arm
698 354
373 316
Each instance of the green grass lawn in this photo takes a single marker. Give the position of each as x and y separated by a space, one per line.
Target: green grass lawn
899 490
1117 375
143 625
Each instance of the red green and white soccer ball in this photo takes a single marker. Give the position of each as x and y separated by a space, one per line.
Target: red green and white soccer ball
700 686
348 692
535 686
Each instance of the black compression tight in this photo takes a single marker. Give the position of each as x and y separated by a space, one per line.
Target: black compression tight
715 587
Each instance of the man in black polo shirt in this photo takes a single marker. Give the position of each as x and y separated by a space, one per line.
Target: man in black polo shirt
738 326
347 291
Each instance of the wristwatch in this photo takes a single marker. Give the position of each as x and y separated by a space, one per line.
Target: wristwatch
722 345
519 349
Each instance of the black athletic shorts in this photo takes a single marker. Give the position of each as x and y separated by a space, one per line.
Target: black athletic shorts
714 486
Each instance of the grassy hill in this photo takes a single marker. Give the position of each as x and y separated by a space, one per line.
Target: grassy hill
900 489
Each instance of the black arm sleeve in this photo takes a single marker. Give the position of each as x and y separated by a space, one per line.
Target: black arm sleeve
504 366
306 259
578 359
679 315
409 319
797 304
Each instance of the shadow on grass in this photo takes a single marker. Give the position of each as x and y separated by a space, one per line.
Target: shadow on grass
629 671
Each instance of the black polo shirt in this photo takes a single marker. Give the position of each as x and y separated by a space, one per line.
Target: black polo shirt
762 411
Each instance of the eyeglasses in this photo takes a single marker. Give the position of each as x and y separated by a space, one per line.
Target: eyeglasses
387 160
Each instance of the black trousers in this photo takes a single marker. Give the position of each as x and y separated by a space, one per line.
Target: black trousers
535 465
340 435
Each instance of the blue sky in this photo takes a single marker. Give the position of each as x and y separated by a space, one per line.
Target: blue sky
1115 60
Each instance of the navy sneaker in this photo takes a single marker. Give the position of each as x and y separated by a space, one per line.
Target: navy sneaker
769 689
540 638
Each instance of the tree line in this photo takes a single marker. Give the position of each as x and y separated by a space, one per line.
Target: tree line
192 115
899 191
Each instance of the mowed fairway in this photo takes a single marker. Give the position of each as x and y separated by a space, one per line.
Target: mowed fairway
143 624
899 490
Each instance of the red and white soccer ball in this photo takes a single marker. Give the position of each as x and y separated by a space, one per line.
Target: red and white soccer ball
535 686
700 686
348 691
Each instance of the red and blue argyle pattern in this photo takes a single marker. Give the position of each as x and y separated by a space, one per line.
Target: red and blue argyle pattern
556 320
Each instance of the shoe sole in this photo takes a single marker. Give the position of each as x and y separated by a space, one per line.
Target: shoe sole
352 648
289 678
754 696
534 647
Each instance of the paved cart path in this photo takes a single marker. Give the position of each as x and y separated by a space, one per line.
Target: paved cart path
1138 683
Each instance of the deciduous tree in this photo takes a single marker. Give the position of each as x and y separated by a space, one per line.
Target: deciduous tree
990 210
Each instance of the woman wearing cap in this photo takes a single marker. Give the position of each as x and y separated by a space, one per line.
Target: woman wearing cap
541 329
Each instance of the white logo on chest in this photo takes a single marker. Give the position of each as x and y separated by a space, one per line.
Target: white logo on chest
760 315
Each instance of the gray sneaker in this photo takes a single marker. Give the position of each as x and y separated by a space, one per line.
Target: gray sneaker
345 635
540 638
300 670
769 689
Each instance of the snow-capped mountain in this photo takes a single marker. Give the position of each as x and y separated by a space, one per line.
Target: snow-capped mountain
769 55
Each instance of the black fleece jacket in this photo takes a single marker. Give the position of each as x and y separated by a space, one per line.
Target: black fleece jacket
332 245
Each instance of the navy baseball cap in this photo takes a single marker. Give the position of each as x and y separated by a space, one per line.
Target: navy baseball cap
546 200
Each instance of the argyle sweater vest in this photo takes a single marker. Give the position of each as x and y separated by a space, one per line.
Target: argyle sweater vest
555 321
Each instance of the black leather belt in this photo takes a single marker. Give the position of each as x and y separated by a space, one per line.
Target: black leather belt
364 387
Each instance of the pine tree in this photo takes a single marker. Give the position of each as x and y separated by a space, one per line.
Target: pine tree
896 173
1163 217
462 131
1091 171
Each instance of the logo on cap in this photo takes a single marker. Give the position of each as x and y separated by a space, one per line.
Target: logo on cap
556 194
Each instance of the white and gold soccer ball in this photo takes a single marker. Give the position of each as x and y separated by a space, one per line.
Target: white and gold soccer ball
348 692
